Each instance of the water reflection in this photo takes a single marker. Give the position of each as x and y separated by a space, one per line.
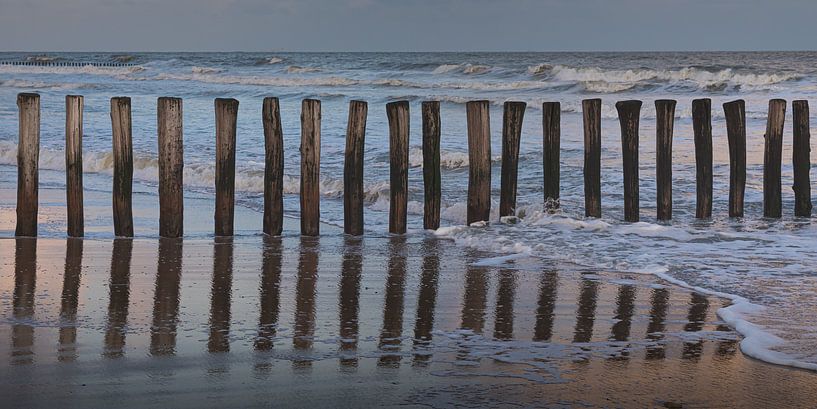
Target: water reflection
392 330
220 295
698 308
426 300
655 329
270 290
25 283
586 313
166 298
119 298
503 317
70 299
349 299
475 298
547 302
305 289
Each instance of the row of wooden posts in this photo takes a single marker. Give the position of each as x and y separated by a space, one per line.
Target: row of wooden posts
65 64
171 162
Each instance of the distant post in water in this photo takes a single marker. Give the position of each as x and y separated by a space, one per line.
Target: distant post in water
772 159
122 166
171 168
591 113
226 118
512 118
801 159
664 123
73 164
273 167
28 157
735 113
398 114
431 164
628 116
310 167
702 128
551 135
353 169
479 161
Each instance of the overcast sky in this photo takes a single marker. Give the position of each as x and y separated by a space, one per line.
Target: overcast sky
407 25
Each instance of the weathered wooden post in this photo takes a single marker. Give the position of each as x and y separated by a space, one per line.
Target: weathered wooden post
772 159
398 115
431 164
310 167
353 169
479 161
122 166
171 168
512 118
73 165
702 128
591 113
28 157
735 113
664 122
801 159
551 135
628 116
273 167
226 118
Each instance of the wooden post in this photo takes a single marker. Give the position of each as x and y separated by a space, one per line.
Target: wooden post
226 118
171 167
512 118
772 159
801 159
398 114
664 122
628 116
353 169
273 167
551 135
28 157
73 164
735 113
431 164
591 112
122 166
310 167
702 128
479 161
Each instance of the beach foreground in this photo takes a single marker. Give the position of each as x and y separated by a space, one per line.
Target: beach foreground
338 321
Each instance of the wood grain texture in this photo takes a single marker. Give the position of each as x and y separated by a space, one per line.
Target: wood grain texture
398 115
664 124
591 115
310 167
431 165
772 159
73 165
353 168
122 143
28 157
735 114
273 167
702 129
512 117
171 168
628 116
801 158
551 145
479 161
226 123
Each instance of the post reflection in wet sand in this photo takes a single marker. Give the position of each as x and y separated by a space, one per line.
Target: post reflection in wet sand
586 313
166 298
270 291
475 298
426 301
25 280
349 299
658 315
548 289
503 316
305 290
392 330
119 298
698 308
70 300
221 295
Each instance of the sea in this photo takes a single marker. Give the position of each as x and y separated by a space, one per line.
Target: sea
766 267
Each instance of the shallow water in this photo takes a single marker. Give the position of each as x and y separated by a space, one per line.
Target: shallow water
766 262
355 322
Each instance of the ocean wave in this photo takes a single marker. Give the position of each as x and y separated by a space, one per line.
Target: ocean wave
468 69
205 70
259 80
296 69
18 83
448 159
86 69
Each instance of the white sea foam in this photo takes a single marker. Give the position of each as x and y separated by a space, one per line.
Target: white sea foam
296 69
206 70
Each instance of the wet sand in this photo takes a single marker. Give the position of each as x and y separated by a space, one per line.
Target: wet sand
336 321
